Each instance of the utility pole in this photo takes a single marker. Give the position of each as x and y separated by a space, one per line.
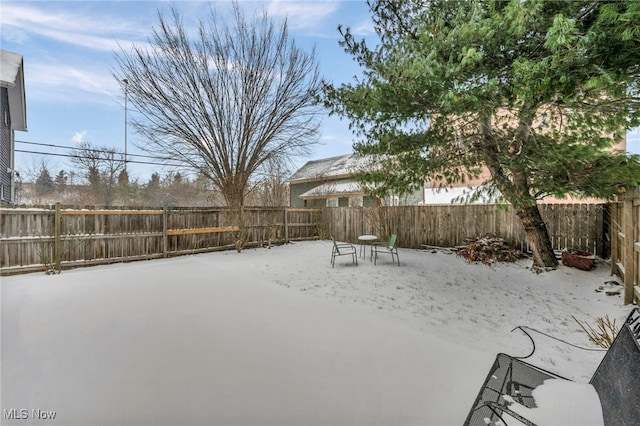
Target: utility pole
126 99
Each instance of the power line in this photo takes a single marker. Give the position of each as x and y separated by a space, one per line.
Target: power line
50 145
114 159
95 150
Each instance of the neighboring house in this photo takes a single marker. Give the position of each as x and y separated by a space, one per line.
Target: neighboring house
329 182
14 117
440 192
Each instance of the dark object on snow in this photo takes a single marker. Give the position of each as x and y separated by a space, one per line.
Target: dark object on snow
578 259
616 380
610 288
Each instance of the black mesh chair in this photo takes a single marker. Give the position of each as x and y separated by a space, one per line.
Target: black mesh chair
616 380
512 377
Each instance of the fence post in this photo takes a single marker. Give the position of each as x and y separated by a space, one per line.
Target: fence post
629 252
57 240
165 240
286 225
614 231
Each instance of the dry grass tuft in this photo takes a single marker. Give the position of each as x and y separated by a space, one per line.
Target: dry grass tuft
604 333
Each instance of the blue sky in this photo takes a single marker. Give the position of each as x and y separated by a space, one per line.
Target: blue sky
68 49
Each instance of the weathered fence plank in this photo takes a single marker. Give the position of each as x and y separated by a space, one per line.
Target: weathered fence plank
202 230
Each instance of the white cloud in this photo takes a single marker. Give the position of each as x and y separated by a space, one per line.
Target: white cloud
62 73
102 34
89 41
364 28
72 83
79 137
15 35
308 15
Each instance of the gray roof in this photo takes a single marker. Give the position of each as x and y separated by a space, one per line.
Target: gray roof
12 77
332 168
344 187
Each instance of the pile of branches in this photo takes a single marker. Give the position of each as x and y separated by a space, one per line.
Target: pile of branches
488 250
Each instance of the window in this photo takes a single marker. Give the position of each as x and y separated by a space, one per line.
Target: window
369 201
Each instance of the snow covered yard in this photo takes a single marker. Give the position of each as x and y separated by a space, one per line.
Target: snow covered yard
277 336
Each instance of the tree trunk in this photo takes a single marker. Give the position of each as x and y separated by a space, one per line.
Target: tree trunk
241 235
233 192
534 226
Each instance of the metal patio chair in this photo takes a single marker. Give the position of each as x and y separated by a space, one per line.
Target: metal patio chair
343 249
388 247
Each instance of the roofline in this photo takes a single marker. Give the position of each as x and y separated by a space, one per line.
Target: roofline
17 97
22 101
330 158
330 195
324 178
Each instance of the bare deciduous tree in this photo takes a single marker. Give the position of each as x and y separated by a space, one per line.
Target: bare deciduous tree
271 189
44 184
101 167
225 103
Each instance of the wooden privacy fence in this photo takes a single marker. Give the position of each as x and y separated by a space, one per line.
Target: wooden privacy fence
580 226
33 239
625 243
50 238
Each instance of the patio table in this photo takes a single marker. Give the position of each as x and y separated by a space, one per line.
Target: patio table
365 240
